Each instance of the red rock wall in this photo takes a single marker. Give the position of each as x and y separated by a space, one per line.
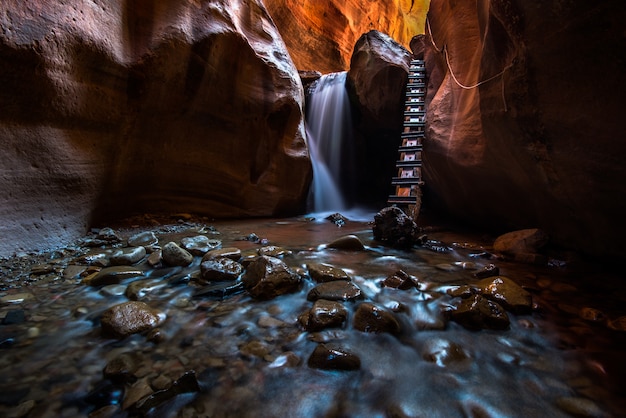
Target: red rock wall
114 107
321 34
543 144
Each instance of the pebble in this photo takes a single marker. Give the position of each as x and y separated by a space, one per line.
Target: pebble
333 357
348 243
112 275
174 255
143 239
127 256
200 244
16 298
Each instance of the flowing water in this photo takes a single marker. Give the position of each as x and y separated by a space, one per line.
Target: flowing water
329 140
250 356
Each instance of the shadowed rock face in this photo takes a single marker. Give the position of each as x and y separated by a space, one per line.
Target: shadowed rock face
320 34
542 145
110 108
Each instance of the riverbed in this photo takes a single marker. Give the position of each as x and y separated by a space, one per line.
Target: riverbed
234 355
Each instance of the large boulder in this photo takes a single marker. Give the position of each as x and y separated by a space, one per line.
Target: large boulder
124 107
379 70
320 35
524 117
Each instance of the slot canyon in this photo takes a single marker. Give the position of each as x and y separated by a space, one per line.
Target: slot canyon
197 214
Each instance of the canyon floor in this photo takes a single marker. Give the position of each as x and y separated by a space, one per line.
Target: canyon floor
221 352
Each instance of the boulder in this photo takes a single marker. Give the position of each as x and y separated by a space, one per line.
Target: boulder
143 107
532 136
394 228
525 241
507 293
379 70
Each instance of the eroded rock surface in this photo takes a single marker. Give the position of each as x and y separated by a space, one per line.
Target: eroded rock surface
143 106
532 137
320 35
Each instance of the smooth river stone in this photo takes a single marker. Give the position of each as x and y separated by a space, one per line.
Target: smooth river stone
326 273
336 290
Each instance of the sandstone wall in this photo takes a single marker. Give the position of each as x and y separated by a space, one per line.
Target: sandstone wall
114 107
320 34
542 145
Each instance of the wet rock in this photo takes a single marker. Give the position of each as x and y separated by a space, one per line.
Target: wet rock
130 318
41 269
338 219
333 357
155 258
394 228
323 314
326 273
348 243
127 256
618 324
255 348
489 270
187 383
273 251
464 291
174 255
113 275
592 315
138 390
371 318
525 241
507 293
220 291
477 313
105 393
140 288
113 290
268 277
335 290
122 368
288 359
73 272
14 317
443 352
200 244
400 280
580 407
435 246
16 298
220 269
143 239
109 236
233 253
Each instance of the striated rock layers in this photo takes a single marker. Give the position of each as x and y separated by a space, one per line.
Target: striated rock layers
114 107
320 34
539 143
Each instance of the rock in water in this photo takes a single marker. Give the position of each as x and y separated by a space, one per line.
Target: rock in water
394 228
129 318
333 357
268 277
176 256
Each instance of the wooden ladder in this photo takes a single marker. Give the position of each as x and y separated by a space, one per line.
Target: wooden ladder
409 164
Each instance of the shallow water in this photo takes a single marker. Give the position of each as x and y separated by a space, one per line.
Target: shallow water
250 357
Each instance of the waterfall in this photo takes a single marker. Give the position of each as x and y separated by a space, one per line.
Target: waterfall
329 135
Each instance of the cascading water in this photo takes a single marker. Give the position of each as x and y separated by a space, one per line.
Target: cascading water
329 133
